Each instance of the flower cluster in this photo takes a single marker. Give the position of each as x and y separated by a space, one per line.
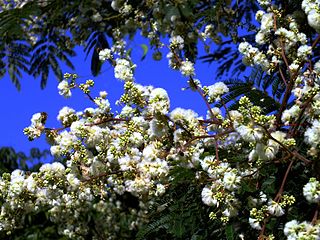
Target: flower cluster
37 126
295 230
123 70
245 167
215 91
311 191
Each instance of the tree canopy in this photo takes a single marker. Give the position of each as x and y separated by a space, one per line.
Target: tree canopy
40 35
249 169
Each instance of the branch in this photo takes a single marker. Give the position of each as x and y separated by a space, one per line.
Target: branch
290 86
279 194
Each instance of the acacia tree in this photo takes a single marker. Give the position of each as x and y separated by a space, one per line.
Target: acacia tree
39 35
149 172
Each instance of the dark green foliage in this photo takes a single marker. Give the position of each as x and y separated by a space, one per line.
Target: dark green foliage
36 227
96 42
11 160
257 84
62 25
180 213
14 60
47 54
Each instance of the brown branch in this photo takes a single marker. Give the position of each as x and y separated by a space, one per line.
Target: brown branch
261 235
292 153
214 120
216 136
276 199
315 215
279 194
91 124
99 176
294 129
282 77
290 86
217 150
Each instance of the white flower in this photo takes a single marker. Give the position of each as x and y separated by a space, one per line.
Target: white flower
96 17
254 223
30 184
58 167
207 197
261 59
64 89
250 134
103 94
267 22
291 228
311 191
261 38
66 115
259 15
290 114
244 47
294 66
55 150
264 3
160 190
187 68
231 181
105 54
150 152
45 167
123 70
280 137
304 51
36 119
316 67
176 42
216 90
115 4
179 114
159 101
314 19
275 208
312 134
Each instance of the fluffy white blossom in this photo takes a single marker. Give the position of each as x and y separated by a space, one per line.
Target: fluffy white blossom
64 89
312 134
304 51
267 22
208 197
298 231
290 114
176 42
275 208
311 191
105 54
250 134
231 180
216 90
159 101
66 115
123 70
254 223
187 68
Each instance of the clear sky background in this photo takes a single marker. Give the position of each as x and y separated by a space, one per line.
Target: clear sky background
17 108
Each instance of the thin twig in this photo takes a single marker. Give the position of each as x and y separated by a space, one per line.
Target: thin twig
282 76
279 194
315 215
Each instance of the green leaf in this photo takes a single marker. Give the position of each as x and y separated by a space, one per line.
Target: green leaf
268 186
230 232
145 51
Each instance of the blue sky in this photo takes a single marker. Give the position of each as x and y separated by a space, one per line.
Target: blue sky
18 107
